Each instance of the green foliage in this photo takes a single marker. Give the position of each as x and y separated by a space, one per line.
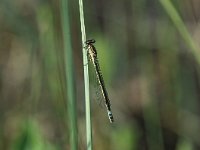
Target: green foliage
31 138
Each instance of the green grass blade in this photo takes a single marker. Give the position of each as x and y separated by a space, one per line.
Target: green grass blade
69 74
179 24
86 80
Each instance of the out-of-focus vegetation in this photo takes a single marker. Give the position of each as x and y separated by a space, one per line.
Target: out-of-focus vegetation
149 56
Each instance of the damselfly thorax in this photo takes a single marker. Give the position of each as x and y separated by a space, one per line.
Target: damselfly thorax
92 53
91 50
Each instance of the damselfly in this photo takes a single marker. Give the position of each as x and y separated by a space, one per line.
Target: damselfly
92 53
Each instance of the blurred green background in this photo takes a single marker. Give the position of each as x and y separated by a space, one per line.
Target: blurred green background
149 56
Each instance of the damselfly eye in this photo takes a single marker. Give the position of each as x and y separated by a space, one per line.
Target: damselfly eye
91 41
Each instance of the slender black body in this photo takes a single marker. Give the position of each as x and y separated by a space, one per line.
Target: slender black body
93 57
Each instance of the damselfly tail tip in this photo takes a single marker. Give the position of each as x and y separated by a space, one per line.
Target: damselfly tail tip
111 120
110 115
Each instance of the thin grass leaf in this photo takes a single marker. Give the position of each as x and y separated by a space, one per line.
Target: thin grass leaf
69 74
179 24
86 80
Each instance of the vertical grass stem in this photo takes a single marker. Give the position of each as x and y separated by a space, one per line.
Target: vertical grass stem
86 80
69 74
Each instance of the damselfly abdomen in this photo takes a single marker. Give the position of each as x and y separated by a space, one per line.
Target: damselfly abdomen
92 53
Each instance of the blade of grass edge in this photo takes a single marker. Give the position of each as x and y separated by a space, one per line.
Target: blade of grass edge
69 69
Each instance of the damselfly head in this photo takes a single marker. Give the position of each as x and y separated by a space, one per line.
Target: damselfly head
91 41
